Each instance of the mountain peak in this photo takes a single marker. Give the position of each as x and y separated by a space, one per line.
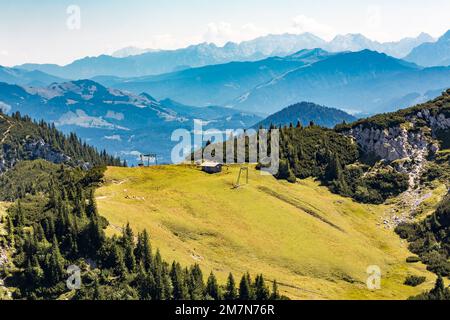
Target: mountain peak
445 36
307 53
436 53
305 112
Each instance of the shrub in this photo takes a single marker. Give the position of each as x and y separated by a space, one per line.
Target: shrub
414 281
413 259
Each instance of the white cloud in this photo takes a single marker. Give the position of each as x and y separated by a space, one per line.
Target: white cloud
223 32
4 53
218 33
249 31
302 24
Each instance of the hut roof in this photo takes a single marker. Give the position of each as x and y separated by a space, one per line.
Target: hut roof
212 164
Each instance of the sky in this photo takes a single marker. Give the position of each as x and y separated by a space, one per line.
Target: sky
60 31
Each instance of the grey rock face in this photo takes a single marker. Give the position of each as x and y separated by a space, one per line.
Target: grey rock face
401 141
41 150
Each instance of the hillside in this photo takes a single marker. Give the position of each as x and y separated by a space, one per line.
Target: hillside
52 223
304 113
364 81
267 226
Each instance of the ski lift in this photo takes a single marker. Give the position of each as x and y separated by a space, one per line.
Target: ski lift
151 158
242 170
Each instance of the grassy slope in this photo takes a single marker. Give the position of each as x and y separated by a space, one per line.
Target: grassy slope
302 235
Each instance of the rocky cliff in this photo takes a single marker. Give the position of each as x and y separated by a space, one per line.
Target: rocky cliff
404 139
32 149
405 134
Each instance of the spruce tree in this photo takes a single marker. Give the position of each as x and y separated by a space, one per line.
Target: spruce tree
275 294
180 290
55 263
261 291
244 289
212 288
196 284
230 288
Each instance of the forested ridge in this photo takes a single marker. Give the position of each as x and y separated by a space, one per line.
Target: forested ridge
25 139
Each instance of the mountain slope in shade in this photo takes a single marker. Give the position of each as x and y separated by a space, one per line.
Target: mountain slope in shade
27 78
432 54
305 112
216 84
363 81
124 124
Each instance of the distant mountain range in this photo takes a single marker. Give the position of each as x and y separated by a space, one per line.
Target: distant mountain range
304 113
27 78
361 82
432 54
357 42
216 84
125 63
122 123
365 81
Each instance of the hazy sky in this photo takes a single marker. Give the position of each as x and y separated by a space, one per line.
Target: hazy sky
43 31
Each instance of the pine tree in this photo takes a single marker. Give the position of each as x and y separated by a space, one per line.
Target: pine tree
128 244
130 260
91 208
55 263
244 289
212 288
143 251
94 237
196 285
261 291
167 287
180 290
34 273
275 294
251 286
120 269
438 292
230 289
